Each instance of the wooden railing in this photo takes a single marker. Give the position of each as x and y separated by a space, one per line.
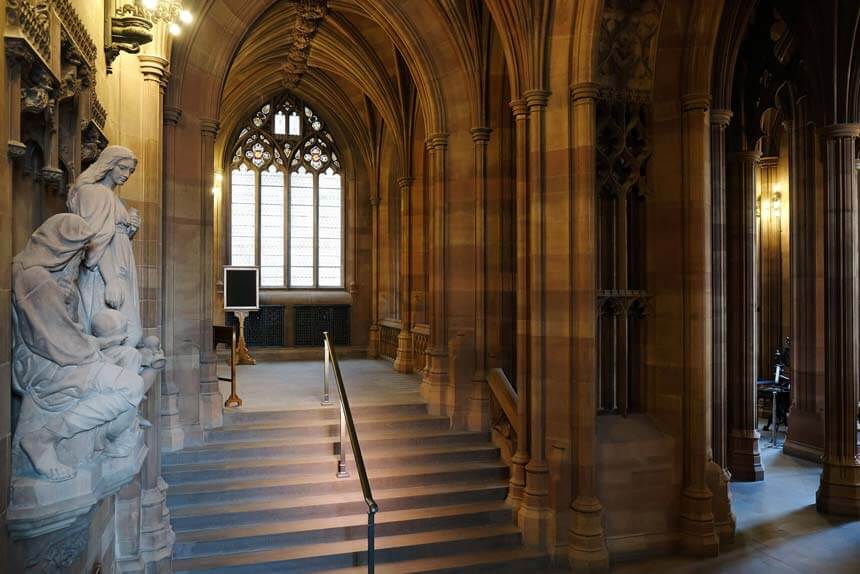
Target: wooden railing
504 416
420 338
389 329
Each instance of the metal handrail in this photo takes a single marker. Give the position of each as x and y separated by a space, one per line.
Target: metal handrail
347 425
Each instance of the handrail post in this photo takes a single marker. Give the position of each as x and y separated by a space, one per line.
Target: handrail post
341 461
326 399
371 543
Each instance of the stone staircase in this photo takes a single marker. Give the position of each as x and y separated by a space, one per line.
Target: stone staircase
261 497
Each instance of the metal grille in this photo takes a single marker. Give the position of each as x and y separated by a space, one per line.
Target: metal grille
312 320
263 328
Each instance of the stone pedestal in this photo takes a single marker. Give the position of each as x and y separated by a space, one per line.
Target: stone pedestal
172 436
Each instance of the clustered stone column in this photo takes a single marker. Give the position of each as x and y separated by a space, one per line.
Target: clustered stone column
805 433
698 535
534 512
478 418
587 551
718 477
373 334
434 385
839 491
211 412
770 266
744 457
404 360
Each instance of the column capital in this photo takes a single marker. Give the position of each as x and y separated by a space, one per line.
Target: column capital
480 134
437 141
721 117
752 156
834 131
172 115
519 108
154 68
584 91
696 102
769 161
536 98
209 128
405 182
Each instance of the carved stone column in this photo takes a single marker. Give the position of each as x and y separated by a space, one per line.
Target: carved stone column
534 513
171 432
805 437
698 535
373 334
435 382
521 456
744 458
587 551
718 475
770 266
211 401
404 360
478 418
839 492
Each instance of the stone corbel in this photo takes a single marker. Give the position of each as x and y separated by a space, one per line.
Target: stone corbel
127 28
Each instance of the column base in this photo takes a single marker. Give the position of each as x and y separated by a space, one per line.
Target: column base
839 491
698 533
517 483
403 361
434 384
534 515
373 342
745 457
805 437
171 435
156 534
587 552
724 519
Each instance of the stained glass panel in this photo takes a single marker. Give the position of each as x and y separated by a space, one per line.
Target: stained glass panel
280 124
301 229
271 228
243 216
295 124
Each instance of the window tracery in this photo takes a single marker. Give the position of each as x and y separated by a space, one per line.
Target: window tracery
287 198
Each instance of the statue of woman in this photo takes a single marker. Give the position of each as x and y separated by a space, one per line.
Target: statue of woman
66 384
114 283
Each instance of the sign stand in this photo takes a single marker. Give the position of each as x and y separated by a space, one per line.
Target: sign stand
243 356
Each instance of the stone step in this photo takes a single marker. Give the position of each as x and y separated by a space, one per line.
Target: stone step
324 428
213 492
330 555
197 516
499 561
290 416
392 457
219 539
304 446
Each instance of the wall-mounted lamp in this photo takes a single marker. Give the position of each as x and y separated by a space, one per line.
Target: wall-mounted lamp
129 24
775 203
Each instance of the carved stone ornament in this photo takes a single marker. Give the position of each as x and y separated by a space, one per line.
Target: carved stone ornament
628 44
38 96
130 28
28 19
80 364
308 17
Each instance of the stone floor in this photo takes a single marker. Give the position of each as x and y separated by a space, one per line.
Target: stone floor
779 530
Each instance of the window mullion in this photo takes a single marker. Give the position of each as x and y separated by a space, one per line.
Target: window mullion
316 229
286 230
258 222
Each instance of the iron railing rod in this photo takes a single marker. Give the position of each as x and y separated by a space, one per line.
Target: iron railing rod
347 426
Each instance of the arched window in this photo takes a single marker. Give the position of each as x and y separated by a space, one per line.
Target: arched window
286 198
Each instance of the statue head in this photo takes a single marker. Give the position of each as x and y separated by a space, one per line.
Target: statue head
112 167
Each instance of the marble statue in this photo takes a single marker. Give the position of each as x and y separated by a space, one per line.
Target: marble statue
112 282
70 382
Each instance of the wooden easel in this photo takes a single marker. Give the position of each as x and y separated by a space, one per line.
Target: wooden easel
227 336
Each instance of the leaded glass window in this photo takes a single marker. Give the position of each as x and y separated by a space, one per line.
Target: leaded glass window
287 198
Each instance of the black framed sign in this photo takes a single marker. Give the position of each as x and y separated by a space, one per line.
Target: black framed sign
241 288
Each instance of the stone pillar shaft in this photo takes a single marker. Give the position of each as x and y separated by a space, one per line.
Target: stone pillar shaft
587 551
373 335
744 458
839 492
698 534
404 361
770 266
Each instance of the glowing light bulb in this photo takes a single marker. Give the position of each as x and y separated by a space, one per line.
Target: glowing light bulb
174 29
150 4
185 16
218 179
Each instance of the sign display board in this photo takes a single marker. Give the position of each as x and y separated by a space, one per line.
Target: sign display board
241 288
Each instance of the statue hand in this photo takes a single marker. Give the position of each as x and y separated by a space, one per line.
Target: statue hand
134 219
114 295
